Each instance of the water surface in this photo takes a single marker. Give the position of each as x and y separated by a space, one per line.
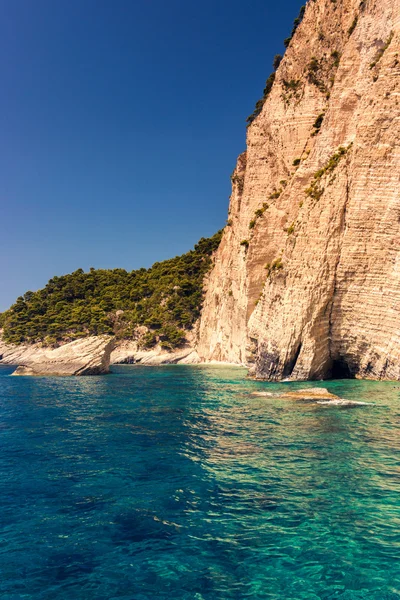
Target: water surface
174 482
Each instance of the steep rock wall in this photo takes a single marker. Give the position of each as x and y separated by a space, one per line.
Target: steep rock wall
306 281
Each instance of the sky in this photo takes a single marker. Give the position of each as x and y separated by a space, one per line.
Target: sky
121 122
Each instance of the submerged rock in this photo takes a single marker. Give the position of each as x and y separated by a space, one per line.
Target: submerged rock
345 403
318 395
89 356
304 394
310 394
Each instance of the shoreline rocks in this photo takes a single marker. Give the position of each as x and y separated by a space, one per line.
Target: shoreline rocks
128 353
88 356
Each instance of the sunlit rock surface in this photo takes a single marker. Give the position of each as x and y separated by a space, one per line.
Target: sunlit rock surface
89 356
317 395
306 282
128 352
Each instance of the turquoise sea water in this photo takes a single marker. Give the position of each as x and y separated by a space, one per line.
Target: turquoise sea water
174 482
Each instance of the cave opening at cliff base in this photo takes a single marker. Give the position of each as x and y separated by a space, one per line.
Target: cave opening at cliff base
340 369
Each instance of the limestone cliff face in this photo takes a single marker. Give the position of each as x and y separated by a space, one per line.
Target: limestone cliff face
307 276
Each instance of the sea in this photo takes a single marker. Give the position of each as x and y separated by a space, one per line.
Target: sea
177 483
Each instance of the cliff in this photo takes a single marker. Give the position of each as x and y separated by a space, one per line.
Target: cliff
306 282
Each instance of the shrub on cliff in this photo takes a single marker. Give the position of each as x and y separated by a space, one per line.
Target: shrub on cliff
275 64
296 23
277 61
260 103
166 298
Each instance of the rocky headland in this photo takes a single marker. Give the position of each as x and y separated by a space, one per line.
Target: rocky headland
89 356
305 282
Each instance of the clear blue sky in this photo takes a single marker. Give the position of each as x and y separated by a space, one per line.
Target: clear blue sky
121 121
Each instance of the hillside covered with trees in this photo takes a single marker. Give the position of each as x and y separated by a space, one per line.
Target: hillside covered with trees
166 298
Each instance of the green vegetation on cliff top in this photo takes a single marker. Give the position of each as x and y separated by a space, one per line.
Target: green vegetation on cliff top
166 298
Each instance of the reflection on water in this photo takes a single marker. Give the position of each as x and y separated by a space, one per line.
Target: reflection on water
175 482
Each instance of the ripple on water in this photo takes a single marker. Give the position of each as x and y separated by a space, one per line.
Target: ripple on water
176 482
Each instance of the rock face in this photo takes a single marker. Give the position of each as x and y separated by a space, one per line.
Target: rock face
307 277
315 395
127 352
89 356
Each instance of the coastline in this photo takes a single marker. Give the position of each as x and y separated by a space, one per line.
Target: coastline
93 356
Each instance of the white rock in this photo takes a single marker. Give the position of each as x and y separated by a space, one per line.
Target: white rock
88 356
332 290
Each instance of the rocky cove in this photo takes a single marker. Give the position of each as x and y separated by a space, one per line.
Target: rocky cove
304 281
223 424
89 356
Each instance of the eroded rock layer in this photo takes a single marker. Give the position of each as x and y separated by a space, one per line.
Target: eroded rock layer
88 356
306 282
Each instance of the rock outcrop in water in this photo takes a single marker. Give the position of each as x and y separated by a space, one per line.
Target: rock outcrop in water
306 282
315 395
308 394
89 356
